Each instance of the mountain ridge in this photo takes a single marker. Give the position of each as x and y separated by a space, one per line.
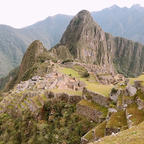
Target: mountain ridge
126 22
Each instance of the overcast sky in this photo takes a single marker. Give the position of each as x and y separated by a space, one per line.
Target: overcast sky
20 13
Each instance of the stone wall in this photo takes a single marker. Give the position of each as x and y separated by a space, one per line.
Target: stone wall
74 99
90 113
95 97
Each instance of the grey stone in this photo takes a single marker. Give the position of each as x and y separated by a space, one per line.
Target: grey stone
131 90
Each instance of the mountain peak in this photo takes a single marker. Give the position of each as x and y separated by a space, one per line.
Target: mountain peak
35 49
84 13
114 7
81 21
83 16
135 6
85 40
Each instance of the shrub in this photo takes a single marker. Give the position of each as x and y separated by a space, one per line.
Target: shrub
85 74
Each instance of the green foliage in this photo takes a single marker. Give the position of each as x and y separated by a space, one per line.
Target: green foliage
7 80
57 123
137 116
81 71
117 120
85 74
134 135
140 94
114 90
30 72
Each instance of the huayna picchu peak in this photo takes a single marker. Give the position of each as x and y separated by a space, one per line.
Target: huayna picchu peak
77 92
85 41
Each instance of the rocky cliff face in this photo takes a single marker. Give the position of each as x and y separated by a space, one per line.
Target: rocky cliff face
128 56
86 41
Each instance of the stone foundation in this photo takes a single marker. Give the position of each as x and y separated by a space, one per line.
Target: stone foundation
90 113
95 97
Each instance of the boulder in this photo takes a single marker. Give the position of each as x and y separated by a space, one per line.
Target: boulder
131 90
114 94
140 103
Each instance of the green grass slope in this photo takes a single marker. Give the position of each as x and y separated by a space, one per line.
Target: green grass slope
133 135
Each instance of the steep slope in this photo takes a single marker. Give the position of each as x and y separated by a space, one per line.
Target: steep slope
12 48
31 57
128 56
85 41
130 136
32 64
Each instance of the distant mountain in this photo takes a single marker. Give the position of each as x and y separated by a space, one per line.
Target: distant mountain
13 42
124 22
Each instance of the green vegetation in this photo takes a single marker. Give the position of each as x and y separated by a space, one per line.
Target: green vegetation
81 71
130 136
96 132
100 130
137 116
117 120
57 123
99 88
70 72
140 94
139 78
90 135
6 80
90 81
